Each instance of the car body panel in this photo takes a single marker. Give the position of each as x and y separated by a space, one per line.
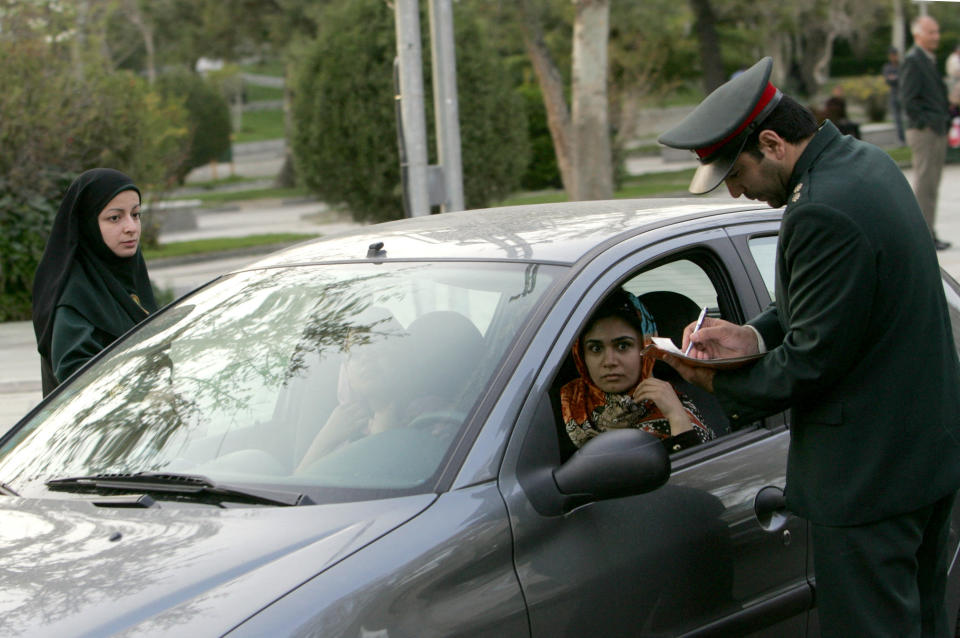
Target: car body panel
72 569
617 560
448 572
544 233
477 554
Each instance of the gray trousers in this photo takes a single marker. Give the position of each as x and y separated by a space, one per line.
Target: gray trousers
929 151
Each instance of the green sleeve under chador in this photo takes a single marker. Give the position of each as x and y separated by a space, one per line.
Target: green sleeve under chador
75 341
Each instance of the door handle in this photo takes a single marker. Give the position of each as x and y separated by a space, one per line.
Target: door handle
770 508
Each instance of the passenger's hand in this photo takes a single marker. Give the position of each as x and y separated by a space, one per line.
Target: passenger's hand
349 417
344 423
665 398
719 339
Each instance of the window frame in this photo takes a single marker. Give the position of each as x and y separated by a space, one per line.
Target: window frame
714 252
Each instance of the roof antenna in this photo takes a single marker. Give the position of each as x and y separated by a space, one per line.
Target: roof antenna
375 250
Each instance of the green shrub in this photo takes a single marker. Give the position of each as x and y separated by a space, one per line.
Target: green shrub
345 140
542 171
493 119
871 91
209 117
55 124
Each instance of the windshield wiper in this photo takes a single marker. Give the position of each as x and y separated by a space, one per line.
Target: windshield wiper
182 484
6 490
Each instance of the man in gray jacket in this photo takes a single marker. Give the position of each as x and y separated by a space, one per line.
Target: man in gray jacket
923 97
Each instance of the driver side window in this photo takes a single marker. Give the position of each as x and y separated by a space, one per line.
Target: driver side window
671 294
675 292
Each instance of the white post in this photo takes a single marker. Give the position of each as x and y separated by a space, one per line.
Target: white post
412 118
446 105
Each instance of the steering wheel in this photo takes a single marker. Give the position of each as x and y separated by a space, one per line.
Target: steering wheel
436 418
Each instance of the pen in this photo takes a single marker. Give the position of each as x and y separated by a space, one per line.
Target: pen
703 313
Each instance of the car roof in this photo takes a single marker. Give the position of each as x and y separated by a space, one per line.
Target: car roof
557 233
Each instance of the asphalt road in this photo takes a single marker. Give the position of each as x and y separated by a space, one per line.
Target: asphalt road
20 364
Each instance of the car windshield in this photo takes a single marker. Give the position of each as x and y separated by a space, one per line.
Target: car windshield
327 379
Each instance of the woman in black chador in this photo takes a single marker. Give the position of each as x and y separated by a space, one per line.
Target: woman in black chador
91 285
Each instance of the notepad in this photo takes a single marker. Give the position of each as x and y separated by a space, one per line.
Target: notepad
664 345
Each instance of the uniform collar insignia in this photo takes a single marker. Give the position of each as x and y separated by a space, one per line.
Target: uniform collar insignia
796 192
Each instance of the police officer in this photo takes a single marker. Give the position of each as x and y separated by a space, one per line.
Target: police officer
858 345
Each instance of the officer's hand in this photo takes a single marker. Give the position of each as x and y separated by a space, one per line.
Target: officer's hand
697 375
719 339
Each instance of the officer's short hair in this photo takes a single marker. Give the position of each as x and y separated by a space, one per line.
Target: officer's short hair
790 120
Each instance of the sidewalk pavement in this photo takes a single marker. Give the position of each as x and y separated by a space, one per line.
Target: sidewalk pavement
20 363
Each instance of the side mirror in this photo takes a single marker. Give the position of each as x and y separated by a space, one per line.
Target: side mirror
614 464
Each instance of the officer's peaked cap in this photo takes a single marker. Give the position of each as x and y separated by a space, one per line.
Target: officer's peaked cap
719 127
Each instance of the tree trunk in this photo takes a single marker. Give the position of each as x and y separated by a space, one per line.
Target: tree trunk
287 177
898 30
146 32
813 57
711 62
592 161
80 40
551 87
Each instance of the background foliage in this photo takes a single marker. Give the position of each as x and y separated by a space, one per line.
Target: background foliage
345 133
77 92
208 116
66 122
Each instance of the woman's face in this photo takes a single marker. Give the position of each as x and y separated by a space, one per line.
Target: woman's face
120 223
611 351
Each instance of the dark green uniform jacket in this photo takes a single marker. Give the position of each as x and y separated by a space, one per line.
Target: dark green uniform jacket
860 343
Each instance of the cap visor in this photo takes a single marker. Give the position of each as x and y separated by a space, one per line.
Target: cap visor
709 176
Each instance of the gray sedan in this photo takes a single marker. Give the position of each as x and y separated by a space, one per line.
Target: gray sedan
360 436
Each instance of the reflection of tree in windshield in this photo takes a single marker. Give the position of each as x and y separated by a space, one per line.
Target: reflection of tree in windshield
143 415
255 341
338 320
257 362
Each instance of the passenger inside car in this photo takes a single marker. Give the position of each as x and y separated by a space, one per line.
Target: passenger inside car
367 402
615 387
404 378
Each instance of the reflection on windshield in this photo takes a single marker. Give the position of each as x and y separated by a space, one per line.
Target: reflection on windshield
340 377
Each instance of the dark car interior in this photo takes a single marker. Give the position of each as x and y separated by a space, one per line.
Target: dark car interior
672 312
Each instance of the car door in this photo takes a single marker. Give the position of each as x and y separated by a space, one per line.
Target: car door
756 243
689 558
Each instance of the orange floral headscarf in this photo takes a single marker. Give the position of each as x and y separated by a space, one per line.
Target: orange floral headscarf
580 397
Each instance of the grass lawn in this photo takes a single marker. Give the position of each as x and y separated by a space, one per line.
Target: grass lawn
901 155
257 93
270 67
669 183
217 183
257 126
225 197
221 244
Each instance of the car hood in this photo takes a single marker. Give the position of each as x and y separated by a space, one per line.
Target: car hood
69 568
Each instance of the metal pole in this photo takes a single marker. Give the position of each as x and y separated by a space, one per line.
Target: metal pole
446 106
411 105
